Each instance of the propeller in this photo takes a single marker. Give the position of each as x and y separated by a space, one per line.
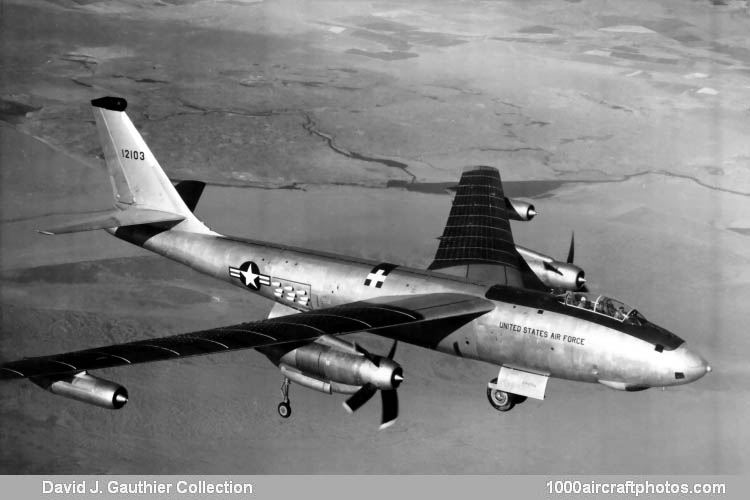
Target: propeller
571 254
572 251
552 267
360 397
366 392
392 352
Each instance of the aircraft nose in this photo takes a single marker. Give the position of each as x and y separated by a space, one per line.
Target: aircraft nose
691 366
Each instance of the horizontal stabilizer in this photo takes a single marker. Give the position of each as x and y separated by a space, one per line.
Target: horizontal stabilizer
115 218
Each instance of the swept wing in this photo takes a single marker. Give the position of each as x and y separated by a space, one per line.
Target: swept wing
477 242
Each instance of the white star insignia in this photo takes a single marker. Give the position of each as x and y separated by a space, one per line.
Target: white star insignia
250 278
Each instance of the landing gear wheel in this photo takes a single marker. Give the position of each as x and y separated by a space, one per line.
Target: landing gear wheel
284 409
500 400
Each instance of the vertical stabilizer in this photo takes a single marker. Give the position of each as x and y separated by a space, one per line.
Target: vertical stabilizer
138 180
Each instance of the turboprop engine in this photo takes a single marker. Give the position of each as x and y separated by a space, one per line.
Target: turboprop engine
559 275
344 370
86 388
554 273
519 210
332 365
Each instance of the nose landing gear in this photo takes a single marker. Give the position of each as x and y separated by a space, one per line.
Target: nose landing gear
284 408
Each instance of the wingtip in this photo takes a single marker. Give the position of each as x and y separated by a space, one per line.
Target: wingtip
347 408
45 232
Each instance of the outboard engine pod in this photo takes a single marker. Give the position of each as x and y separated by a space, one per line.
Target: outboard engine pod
519 210
87 389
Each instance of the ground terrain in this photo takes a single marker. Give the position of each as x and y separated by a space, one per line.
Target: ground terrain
337 126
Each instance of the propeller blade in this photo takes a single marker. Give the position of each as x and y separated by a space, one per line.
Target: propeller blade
390 408
389 397
584 289
392 352
360 397
366 354
375 359
572 251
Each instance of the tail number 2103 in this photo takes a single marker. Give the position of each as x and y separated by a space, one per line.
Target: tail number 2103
132 154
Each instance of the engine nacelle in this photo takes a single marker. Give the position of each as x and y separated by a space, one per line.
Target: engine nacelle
557 274
553 273
87 389
327 363
519 210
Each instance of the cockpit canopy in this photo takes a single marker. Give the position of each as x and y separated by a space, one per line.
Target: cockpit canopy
601 304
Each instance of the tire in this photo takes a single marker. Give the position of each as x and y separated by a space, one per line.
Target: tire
500 400
285 411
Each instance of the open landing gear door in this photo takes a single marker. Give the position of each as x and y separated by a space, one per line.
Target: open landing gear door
522 383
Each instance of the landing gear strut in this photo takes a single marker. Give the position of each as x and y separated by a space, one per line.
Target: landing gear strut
501 400
284 408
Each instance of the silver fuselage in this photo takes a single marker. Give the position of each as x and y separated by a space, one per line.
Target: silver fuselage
527 330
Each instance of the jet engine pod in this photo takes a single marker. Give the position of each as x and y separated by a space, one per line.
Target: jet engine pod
87 389
519 210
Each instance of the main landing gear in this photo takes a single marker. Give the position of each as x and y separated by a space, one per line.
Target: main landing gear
284 408
501 400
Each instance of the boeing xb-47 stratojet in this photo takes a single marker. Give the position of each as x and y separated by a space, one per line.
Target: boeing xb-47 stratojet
482 298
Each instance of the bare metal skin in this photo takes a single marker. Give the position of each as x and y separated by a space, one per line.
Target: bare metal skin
607 355
484 299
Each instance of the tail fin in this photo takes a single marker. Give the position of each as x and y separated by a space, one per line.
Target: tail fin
138 180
